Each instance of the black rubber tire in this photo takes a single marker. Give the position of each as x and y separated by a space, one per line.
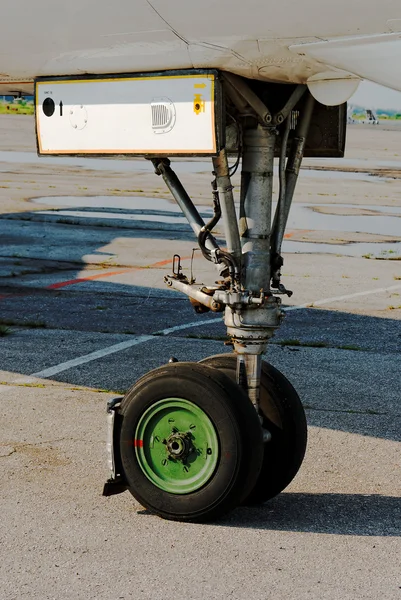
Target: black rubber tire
284 416
238 430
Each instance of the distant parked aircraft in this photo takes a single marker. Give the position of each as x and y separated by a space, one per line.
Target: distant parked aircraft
371 118
350 112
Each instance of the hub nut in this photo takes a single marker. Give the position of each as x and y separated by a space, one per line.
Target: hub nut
179 445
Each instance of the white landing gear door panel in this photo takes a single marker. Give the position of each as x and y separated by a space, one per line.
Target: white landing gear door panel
167 114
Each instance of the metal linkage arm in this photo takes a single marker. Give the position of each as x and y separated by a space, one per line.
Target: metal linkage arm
162 167
195 293
291 174
226 198
290 104
244 98
237 86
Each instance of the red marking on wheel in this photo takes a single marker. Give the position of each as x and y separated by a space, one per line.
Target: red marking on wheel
138 443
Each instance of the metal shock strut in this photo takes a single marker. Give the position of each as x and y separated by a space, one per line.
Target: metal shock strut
252 260
250 327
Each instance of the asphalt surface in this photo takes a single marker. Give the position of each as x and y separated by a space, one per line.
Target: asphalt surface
95 296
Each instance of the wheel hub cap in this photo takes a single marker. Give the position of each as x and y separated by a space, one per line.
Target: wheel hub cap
176 446
179 445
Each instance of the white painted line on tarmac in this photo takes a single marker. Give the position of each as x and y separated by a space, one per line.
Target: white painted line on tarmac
346 297
81 360
187 326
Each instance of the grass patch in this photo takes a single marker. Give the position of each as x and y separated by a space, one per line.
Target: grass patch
73 389
4 330
28 324
105 391
288 343
368 411
303 344
11 108
35 324
317 344
350 347
31 385
7 322
389 255
217 338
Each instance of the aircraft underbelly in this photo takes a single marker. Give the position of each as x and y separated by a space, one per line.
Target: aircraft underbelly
260 39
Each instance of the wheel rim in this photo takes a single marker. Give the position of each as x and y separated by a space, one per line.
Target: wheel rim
176 446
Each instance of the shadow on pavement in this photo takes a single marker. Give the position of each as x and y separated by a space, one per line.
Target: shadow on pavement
341 381
338 514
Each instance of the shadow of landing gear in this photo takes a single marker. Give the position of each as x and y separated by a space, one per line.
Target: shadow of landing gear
336 514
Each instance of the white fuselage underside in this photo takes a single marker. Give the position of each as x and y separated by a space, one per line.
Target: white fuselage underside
285 41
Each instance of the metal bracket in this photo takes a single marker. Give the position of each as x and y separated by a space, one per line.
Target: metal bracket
116 484
244 98
177 268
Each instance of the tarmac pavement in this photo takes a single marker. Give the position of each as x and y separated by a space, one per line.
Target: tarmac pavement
84 312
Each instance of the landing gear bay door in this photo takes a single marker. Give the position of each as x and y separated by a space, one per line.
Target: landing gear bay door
166 114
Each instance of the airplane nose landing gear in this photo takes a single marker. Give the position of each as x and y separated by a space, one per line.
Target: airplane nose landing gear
196 440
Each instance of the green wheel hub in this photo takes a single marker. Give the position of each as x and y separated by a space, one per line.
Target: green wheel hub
176 446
